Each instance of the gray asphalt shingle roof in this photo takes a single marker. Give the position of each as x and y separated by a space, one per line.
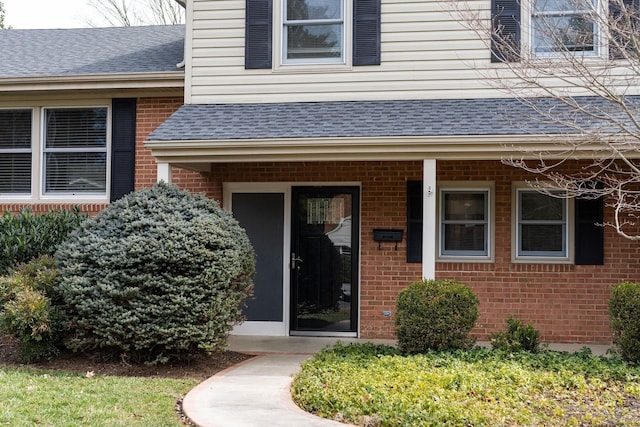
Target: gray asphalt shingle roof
435 117
84 51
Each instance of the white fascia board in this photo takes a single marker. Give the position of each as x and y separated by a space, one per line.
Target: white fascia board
171 79
378 148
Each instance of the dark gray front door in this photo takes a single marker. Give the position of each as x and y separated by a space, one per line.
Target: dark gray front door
324 252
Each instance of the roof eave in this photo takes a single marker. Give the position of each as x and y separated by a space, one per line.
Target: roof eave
392 148
166 79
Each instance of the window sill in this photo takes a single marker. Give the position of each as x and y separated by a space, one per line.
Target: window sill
538 260
467 259
311 68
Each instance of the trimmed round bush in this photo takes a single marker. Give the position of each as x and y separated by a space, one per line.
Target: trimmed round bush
624 312
435 315
158 275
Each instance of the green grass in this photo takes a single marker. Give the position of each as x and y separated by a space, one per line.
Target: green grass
51 398
375 385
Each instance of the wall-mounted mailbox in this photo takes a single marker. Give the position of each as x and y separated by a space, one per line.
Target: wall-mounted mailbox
387 235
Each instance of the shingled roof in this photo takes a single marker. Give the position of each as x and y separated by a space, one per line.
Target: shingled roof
432 117
86 51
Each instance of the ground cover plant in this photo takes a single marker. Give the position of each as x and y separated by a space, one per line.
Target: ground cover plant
373 385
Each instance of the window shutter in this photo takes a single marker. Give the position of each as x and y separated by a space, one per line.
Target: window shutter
589 235
258 34
633 9
366 32
414 221
505 37
123 147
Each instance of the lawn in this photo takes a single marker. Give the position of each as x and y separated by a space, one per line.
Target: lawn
377 386
55 398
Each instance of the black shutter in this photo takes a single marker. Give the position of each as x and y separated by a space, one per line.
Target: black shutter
123 147
617 22
366 32
589 234
414 221
505 37
257 37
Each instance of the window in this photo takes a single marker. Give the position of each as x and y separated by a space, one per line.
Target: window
464 226
51 152
563 26
313 31
75 151
15 152
542 225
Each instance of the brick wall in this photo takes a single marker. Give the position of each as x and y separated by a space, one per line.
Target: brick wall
566 303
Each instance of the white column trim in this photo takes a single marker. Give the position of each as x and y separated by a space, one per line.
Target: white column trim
164 172
429 219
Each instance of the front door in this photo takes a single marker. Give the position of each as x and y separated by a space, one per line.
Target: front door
324 260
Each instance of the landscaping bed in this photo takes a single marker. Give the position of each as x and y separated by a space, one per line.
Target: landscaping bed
378 386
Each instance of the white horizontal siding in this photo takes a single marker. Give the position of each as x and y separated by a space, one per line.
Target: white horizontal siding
426 53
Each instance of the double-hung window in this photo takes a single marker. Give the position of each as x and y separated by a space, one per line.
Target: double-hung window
542 225
15 152
313 31
75 151
559 26
48 153
465 222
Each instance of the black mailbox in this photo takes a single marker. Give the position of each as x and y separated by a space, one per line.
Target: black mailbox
387 235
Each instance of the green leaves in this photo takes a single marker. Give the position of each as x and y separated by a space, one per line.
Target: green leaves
435 315
624 312
375 385
159 274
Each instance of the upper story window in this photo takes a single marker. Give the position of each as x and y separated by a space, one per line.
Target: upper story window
542 225
563 26
313 31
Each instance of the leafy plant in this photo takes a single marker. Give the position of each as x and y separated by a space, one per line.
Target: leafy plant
159 274
376 386
435 315
517 337
624 312
27 312
26 236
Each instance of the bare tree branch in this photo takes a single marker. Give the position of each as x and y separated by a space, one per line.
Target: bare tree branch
145 12
580 73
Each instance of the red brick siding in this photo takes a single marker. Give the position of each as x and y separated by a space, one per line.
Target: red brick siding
566 303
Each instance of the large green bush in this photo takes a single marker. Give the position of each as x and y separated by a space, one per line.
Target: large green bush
159 274
435 315
26 310
624 311
26 236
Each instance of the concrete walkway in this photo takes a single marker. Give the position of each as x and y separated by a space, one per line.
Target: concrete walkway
255 393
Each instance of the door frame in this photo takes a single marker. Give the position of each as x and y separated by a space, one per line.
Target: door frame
283 328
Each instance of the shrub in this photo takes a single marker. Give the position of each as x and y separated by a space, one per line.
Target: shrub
27 312
159 274
435 315
624 312
517 337
26 236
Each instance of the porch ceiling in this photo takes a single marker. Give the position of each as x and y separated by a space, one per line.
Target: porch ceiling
365 130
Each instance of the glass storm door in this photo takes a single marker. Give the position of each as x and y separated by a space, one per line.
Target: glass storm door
324 260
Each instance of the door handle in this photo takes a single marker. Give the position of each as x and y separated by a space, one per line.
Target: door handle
295 261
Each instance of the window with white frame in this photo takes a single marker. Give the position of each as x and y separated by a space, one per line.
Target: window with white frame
75 151
64 155
465 222
542 225
313 31
15 152
564 26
